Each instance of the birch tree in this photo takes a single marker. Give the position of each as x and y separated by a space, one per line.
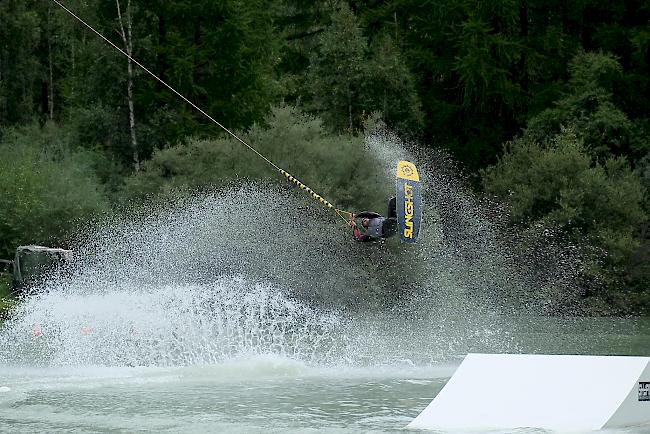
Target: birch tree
126 32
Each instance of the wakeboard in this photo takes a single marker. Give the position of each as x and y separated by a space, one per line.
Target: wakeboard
409 201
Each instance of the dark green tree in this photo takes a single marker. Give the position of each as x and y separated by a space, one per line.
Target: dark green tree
20 69
299 23
95 86
221 55
348 79
588 104
336 72
389 87
483 68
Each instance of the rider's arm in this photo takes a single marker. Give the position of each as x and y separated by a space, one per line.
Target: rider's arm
358 236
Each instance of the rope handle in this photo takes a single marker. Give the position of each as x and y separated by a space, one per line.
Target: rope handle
316 196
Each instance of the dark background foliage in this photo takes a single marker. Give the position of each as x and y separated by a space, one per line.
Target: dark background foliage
544 103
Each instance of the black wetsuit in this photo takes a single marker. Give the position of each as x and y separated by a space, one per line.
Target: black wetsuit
379 227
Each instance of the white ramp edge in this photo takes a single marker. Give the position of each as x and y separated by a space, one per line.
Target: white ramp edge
553 392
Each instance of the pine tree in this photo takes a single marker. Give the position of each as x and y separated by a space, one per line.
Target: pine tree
389 87
337 72
20 69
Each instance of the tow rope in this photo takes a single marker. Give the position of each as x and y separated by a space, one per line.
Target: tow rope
289 177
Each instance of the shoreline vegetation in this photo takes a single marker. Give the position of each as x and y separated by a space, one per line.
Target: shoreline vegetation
544 109
7 300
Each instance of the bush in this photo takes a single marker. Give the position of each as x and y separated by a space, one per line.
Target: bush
588 105
5 285
335 166
46 189
556 185
7 301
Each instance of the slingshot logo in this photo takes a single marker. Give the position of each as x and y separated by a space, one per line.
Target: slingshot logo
407 171
408 210
644 390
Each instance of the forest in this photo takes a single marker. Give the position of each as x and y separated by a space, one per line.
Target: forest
543 104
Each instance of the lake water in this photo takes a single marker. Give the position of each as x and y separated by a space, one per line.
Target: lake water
271 393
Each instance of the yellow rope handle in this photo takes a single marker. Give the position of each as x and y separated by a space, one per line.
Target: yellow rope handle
311 192
315 195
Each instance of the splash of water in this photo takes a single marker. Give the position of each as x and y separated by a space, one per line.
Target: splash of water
201 282
474 262
168 325
254 270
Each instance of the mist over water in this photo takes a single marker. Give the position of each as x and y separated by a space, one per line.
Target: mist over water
256 270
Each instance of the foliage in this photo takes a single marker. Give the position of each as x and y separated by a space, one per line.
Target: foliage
6 305
555 185
569 171
483 69
605 129
337 167
7 301
348 79
390 87
299 23
5 285
19 66
467 75
220 55
45 188
482 63
336 71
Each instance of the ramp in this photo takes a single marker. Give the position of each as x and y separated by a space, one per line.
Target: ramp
561 393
